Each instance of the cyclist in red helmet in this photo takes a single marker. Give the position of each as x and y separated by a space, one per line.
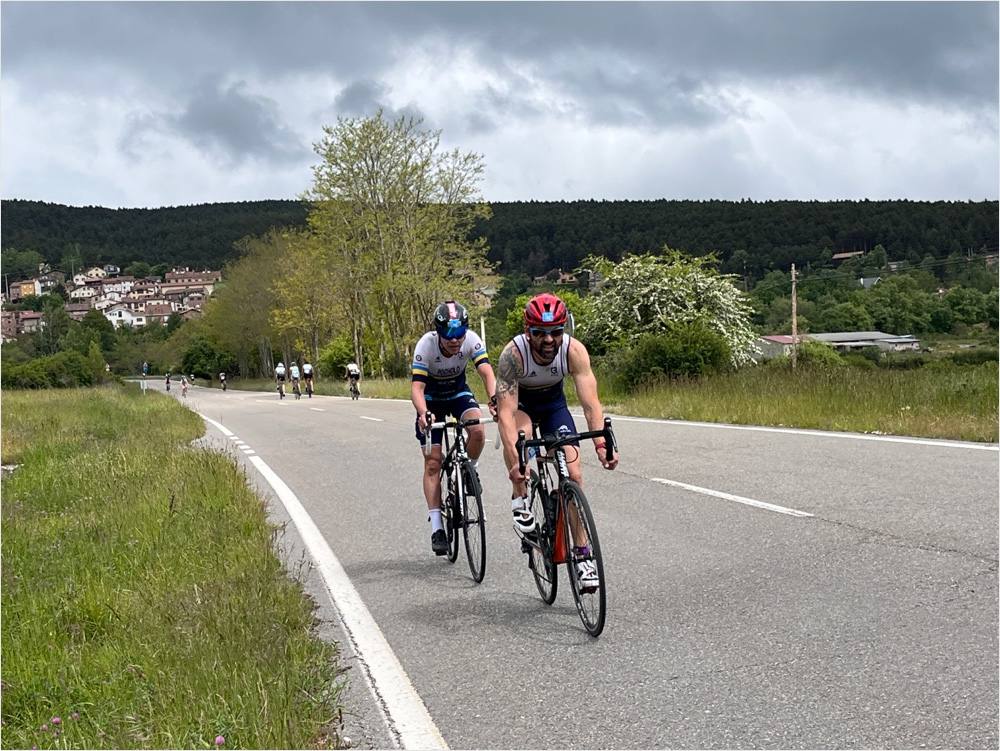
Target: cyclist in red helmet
530 375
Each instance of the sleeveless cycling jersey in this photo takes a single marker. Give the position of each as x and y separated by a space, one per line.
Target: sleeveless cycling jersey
541 385
295 371
307 370
445 376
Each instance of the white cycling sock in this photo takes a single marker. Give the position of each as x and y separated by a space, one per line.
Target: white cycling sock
435 514
516 504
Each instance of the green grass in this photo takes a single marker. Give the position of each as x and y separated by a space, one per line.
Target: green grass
142 602
935 401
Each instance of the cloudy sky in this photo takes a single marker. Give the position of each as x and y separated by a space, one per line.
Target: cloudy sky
160 104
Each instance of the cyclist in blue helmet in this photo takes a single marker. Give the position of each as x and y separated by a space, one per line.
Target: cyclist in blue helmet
439 388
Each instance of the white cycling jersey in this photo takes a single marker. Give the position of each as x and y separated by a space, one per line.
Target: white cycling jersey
295 372
445 376
307 370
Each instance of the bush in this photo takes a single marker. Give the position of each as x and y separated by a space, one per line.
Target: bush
333 358
61 370
685 349
975 356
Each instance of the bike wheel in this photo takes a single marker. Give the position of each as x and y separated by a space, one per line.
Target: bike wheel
454 517
543 568
474 524
591 604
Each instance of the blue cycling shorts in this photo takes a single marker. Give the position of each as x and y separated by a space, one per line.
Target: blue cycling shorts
456 407
552 420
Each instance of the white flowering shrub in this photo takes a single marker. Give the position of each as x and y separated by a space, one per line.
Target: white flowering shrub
645 294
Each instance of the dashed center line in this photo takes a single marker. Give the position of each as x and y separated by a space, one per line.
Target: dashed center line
317 409
731 497
373 419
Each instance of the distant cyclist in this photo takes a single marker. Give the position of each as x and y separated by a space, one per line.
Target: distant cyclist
279 378
530 374
353 376
222 380
439 389
307 376
166 379
184 386
296 377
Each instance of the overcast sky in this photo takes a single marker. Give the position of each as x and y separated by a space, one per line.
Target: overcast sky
160 104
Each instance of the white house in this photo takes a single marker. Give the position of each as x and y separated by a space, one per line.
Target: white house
120 315
85 292
95 273
121 284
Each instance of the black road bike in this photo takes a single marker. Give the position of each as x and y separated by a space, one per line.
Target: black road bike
565 531
462 495
355 391
309 387
296 388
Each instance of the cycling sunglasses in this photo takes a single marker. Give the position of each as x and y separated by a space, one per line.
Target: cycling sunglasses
455 330
540 331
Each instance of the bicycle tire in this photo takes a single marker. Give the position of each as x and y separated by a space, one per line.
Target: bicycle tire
591 606
474 524
455 517
543 568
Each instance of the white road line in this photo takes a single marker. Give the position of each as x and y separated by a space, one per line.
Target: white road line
247 450
373 419
822 433
317 409
232 437
730 497
406 715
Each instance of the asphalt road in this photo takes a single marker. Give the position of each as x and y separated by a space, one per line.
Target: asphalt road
871 623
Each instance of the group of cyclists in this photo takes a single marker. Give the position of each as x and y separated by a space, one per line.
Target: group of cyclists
527 388
297 375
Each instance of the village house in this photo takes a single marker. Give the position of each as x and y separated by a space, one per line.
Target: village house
29 287
77 310
120 315
95 272
28 322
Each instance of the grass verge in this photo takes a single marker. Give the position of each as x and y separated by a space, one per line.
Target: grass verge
934 401
143 605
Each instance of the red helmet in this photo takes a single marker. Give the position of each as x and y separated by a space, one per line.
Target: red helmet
545 310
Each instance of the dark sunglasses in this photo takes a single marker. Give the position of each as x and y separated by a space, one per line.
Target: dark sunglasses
540 331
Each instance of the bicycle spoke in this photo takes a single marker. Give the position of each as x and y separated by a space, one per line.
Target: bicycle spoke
474 525
590 597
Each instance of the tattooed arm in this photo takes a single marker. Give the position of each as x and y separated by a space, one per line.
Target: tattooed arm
509 368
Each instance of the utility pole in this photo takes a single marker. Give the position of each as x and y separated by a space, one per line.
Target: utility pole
795 325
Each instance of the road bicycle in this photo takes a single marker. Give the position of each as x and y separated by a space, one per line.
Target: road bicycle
462 502
223 385
565 532
355 391
281 390
296 389
309 388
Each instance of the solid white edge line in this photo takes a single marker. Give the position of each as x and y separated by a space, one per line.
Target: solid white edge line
406 714
731 497
821 433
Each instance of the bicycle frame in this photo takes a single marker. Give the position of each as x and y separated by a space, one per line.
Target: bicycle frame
551 457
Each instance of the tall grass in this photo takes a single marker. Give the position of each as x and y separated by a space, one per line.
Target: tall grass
142 603
934 402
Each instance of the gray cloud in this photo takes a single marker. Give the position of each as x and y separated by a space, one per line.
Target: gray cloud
251 81
238 123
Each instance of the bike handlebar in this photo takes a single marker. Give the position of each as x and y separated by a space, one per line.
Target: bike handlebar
445 424
524 444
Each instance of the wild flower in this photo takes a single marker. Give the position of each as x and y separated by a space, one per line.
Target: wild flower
75 716
56 720
219 740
